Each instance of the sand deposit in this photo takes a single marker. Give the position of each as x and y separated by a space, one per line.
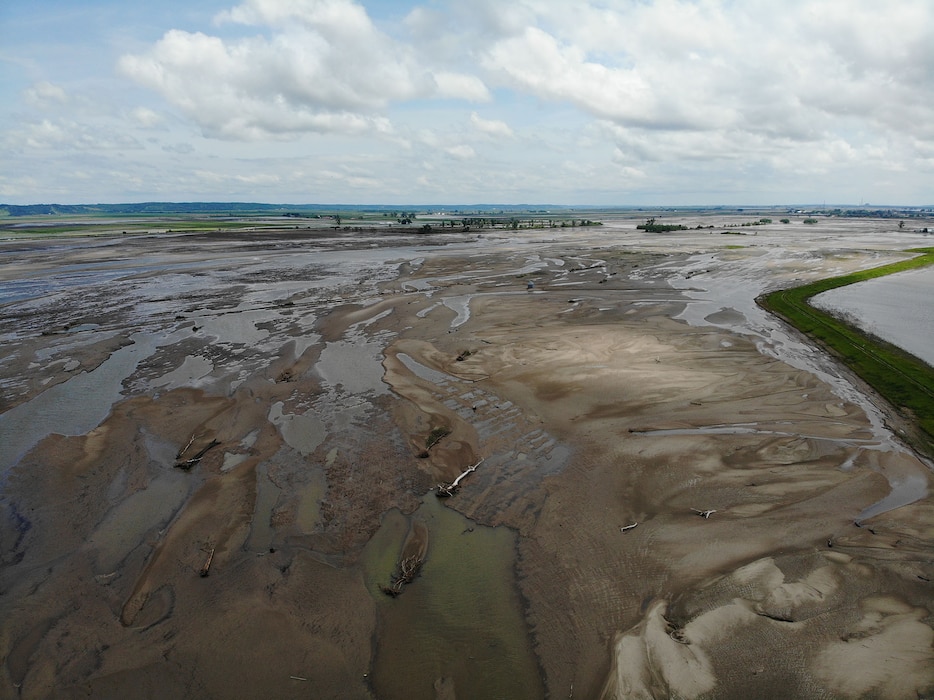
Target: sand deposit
678 496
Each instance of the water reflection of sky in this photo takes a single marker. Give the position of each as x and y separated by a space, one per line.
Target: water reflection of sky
897 308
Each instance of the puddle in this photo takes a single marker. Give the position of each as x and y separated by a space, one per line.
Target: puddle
74 407
301 431
261 530
191 370
424 312
125 527
905 490
236 328
461 307
355 366
459 619
423 372
232 460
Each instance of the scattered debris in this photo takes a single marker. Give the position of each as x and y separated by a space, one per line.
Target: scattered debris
434 437
189 463
463 356
185 448
206 569
677 634
408 570
704 513
448 490
297 678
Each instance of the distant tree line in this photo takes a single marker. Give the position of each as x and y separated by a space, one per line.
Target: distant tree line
652 226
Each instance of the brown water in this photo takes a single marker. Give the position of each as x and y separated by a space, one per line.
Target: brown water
460 619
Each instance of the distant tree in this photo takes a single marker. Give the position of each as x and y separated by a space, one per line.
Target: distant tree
810 221
651 226
786 221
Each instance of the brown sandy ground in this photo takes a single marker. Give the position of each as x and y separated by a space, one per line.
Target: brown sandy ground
764 598
593 411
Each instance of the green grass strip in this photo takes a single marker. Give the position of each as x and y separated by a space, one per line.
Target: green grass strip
904 380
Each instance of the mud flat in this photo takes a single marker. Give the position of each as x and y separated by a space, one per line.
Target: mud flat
678 496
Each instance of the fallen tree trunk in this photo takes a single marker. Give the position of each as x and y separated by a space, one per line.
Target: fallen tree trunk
205 570
448 490
189 463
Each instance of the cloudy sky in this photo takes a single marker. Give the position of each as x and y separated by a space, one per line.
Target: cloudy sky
468 101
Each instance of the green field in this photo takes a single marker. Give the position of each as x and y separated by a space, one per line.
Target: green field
901 378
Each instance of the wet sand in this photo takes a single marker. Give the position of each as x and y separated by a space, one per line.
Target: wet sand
635 388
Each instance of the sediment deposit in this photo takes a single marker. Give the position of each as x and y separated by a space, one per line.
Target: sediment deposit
678 496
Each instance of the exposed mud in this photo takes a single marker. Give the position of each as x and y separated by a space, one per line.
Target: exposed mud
634 388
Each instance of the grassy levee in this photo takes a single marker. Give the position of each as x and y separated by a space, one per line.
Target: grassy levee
902 379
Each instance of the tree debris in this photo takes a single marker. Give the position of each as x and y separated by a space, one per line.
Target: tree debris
628 527
448 490
408 570
205 570
189 463
704 513
185 448
434 437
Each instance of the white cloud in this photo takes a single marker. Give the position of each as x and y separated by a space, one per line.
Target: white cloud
324 67
490 127
461 152
460 86
538 100
689 80
44 95
147 118
67 135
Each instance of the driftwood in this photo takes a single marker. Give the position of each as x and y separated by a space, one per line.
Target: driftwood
189 463
408 570
448 490
628 527
185 448
704 513
205 570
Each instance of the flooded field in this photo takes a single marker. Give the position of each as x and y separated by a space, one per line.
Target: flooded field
896 308
218 450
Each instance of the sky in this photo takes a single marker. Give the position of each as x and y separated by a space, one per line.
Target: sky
578 102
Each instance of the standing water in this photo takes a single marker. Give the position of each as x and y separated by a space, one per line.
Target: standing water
897 308
460 619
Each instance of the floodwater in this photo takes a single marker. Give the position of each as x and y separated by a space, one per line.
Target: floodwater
896 308
460 619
